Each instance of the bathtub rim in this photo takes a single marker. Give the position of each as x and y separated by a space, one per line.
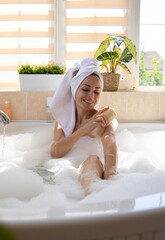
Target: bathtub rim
99 227
148 125
120 121
24 218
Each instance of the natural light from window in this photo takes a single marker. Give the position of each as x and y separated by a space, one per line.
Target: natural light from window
152 35
88 24
24 38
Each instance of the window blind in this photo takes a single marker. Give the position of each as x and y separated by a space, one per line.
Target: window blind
27 35
89 22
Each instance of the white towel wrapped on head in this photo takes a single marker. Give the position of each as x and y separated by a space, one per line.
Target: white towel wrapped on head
63 104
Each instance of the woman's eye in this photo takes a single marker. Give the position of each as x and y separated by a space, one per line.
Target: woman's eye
85 90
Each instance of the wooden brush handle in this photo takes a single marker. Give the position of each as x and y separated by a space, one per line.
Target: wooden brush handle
109 115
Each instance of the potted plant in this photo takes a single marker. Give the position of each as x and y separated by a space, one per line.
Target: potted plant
114 52
40 77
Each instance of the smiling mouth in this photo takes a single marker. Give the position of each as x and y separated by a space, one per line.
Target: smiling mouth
87 101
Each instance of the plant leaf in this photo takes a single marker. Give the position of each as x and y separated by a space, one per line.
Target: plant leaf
124 53
124 67
118 50
41 69
103 46
118 39
107 56
125 56
131 48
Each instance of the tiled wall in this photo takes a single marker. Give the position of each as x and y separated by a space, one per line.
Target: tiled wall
130 106
26 105
136 105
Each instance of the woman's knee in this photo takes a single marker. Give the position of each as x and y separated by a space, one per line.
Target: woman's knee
94 161
91 166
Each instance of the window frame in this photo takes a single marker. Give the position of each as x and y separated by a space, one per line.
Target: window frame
133 33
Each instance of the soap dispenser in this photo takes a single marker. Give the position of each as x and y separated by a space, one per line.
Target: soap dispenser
7 109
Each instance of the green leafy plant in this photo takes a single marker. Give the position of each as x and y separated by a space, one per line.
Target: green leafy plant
152 77
115 51
41 69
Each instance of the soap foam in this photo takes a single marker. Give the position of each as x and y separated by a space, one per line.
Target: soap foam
19 182
29 178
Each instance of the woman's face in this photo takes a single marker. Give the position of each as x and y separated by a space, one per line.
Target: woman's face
88 93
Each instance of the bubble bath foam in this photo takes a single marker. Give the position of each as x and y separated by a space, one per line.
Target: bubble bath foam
36 190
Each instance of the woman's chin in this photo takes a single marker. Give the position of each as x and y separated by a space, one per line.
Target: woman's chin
89 106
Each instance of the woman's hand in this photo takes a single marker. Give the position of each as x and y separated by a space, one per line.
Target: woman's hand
97 120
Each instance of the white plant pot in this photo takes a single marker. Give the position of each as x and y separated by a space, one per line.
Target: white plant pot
40 82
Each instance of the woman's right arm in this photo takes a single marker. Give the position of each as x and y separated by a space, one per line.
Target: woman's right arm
62 145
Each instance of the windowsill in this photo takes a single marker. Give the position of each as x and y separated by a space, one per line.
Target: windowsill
150 89
9 90
146 89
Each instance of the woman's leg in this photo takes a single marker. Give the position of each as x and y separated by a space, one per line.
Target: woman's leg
90 170
110 152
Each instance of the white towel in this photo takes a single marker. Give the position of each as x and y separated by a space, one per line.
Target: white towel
63 103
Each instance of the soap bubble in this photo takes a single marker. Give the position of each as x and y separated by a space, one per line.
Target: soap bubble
30 178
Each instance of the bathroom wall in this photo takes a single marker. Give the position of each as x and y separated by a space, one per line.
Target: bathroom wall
140 105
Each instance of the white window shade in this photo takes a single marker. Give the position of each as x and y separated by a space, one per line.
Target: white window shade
89 22
27 35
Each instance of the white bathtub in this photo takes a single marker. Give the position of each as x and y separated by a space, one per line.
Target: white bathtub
141 218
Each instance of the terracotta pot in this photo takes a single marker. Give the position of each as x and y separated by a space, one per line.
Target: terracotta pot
111 81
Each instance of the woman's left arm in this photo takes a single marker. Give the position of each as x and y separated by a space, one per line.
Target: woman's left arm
108 139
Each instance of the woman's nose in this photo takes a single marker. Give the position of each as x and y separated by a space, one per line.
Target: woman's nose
91 94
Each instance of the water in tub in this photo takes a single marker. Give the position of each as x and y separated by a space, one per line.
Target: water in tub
30 178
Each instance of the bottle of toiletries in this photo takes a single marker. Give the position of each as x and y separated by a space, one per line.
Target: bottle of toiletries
7 109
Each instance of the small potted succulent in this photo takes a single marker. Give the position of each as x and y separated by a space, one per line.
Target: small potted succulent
40 77
114 52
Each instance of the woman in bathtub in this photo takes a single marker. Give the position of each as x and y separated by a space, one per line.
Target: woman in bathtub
73 107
